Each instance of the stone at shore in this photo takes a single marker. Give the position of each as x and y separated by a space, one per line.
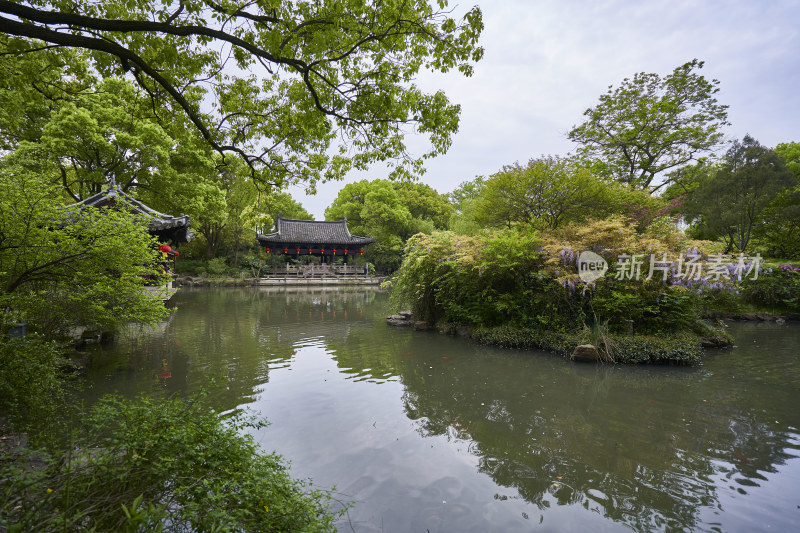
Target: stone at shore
585 353
399 321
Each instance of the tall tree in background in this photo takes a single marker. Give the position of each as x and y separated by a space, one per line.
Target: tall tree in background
391 213
649 125
545 193
781 220
280 84
733 200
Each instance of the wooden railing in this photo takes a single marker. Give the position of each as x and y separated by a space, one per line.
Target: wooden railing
310 271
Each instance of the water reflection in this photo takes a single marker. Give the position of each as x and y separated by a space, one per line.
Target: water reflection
404 420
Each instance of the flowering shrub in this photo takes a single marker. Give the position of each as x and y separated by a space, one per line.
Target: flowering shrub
529 279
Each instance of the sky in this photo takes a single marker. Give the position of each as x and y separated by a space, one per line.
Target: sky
547 61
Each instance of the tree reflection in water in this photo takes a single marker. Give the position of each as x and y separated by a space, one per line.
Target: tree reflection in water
651 448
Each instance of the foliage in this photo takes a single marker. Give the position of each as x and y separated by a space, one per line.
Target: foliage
649 124
790 152
33 86
780 222
330 74
551 191
464 201
732 201
62 269
778 289
425 205
30 387
390 213
545 193
681 348
525 280
160 465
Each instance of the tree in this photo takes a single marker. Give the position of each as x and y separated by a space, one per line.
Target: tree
650 124
781 219
60 269
375 209
281 203
790 152
425 204
546 193
732 201
280 83
464 201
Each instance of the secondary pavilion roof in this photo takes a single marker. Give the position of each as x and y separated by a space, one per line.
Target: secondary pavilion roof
313 232
165 227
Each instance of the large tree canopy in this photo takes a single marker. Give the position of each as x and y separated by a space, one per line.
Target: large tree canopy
300 90
650 124
732 201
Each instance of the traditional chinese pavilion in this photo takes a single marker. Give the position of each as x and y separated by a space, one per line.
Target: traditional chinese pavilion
310 237
164 227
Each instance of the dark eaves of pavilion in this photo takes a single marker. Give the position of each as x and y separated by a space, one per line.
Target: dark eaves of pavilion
311 237
164 227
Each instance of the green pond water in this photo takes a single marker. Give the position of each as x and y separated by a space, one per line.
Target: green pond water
426 432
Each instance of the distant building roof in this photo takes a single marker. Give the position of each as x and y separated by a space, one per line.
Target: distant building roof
313 232
162 225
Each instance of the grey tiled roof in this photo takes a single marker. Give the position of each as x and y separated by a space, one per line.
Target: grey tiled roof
159 223
313 232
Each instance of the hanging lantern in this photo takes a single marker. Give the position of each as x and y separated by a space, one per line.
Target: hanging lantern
361 252
298 251
322 250
345 251
286 250
165 248
334 251
309 251
267 250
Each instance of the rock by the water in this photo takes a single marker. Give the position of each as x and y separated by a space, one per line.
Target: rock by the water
421 325
585 353
399 321
405 314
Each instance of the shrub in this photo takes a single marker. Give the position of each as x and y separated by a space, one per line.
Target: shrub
778 289
152 465
31 387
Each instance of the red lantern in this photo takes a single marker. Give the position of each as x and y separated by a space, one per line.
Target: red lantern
334 251
361 252
267 249
309 251
298 251
322 250
176 254
286 250
345 252
164 248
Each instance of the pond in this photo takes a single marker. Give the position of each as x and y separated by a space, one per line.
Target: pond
427 432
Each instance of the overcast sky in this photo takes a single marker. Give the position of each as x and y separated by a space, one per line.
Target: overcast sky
546 61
